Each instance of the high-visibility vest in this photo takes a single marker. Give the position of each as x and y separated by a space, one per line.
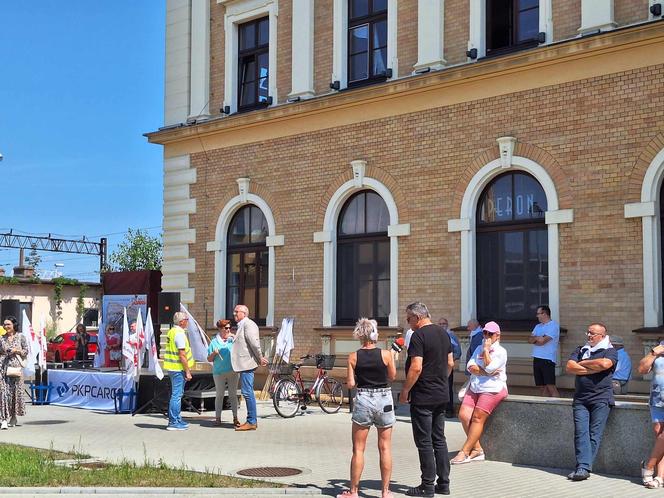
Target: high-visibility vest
172 355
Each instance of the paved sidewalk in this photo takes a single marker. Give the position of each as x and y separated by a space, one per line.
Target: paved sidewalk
315 442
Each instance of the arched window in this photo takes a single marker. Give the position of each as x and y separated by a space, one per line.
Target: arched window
363 260
512 250
247 263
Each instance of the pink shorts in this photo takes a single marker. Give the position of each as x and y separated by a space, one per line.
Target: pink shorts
487 402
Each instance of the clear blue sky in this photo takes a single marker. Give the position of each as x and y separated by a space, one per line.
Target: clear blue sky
80 82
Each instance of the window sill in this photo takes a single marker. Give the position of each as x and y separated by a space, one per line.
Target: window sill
346 331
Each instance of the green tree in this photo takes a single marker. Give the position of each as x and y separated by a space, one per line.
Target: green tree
138 251
33 258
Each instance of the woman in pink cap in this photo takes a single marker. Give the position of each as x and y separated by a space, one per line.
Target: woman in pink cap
487 388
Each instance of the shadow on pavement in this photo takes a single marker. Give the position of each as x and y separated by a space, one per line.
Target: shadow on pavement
564 472
161 427
45 422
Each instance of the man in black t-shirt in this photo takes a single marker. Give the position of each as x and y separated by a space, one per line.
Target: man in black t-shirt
593 364
429 363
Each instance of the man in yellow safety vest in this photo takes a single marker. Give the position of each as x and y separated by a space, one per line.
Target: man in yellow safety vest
178 361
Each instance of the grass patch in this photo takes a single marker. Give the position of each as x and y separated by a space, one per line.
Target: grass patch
24 466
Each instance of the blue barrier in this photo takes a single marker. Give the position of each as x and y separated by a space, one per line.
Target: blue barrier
40 393
120 396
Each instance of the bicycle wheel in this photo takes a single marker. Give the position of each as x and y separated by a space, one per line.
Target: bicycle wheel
330 395
286 399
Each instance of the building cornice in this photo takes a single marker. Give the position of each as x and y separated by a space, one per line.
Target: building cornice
572 60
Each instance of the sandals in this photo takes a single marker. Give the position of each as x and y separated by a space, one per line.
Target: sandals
236 422
460 458
650 481
477 455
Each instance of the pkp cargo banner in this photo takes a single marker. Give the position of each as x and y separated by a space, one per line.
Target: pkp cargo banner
89 390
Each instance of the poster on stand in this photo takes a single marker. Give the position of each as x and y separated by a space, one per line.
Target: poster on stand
112 314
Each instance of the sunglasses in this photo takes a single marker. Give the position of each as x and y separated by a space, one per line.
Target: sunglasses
227 327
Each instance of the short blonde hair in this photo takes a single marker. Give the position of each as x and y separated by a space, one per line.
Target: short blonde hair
179 316
366 330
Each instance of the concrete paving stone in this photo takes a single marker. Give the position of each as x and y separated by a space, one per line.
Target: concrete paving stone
317 443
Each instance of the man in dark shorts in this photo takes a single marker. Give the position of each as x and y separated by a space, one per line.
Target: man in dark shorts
544 339
428 366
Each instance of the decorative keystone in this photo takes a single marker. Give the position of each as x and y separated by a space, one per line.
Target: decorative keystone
506 146
359 168
243 186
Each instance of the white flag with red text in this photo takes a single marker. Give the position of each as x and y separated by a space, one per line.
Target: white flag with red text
33 345
43 342
151 348
128 348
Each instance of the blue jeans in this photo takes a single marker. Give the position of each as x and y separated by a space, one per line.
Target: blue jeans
589 423
247 389
175 404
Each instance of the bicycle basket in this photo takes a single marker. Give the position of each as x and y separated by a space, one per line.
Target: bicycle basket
281 368
325 361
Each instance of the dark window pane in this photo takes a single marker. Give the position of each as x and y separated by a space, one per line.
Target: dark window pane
259 228
382 265
377 215
528 25
365 298
359 39
352 217
529 198
498 24
239 230
248 71
527 4
263 269
263 64
379 34
233 269
379 6
248 94
247 36
496 202
379 62
359 8
263 90
264 31
359 69
249 268
383 299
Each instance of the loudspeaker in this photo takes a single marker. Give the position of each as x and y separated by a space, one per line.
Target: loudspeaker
90 318
169 303
12 307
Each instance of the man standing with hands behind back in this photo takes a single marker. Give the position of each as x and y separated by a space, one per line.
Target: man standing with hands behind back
428 366
245 358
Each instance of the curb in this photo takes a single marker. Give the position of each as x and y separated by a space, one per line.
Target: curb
161 491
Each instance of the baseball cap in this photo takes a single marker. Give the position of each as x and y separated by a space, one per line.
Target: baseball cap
492 327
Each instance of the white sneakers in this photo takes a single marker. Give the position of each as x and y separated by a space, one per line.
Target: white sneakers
4 425
13 422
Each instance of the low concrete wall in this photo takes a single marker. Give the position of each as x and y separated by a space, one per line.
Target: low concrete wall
540 431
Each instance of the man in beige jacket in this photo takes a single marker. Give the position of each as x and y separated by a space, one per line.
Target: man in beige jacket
245 358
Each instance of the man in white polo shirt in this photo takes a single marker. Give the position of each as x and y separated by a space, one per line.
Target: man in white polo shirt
545 338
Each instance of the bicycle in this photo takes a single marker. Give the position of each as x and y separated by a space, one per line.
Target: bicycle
290 393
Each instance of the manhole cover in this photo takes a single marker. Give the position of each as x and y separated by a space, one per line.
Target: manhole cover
269 472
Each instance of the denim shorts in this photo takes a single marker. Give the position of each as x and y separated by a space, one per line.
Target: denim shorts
374 407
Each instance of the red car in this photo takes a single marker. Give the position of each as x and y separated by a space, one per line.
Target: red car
63 347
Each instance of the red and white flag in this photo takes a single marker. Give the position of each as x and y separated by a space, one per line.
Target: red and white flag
151 348
128 348
43 343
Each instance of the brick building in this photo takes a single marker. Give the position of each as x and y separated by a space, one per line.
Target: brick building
335 158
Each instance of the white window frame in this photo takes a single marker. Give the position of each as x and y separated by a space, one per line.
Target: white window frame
220 247
478 24
648 211
467 222
340 41
328 236
239 12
